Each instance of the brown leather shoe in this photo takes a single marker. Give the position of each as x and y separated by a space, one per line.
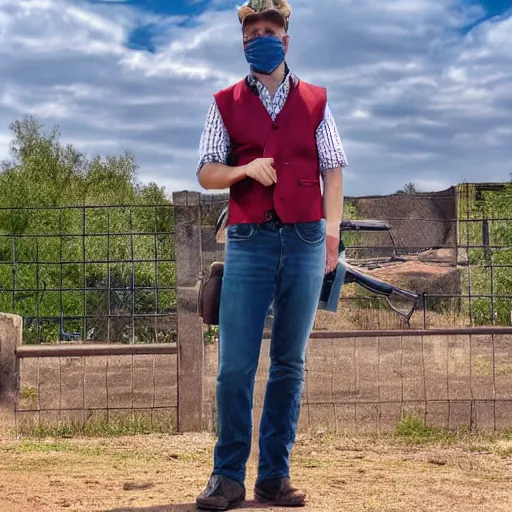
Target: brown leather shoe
279 492
221 493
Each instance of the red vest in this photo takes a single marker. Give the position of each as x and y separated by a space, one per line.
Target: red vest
290 140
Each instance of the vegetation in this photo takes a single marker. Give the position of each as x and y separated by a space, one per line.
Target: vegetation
414 430
409 188
99 426
54 248
350 212
485 241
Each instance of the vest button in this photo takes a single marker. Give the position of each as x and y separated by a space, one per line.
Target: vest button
275 127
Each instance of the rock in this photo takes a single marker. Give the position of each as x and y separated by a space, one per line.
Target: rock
419 277
437 462
137 486
440 256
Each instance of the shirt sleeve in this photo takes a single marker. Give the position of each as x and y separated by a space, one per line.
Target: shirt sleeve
214 146
330 149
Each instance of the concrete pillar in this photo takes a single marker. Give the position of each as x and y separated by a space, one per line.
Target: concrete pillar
11 335
187 222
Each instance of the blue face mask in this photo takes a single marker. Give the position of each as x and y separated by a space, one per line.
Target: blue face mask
264 54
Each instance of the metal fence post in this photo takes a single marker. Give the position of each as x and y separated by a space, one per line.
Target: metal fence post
11 332
187 221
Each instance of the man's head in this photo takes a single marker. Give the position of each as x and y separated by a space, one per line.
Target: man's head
264 28
276 11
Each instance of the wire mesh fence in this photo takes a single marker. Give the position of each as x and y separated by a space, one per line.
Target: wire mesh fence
108 274
90 273
453 248
83 392
369 382
485 237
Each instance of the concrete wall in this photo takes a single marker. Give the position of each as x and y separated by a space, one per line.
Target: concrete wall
419 221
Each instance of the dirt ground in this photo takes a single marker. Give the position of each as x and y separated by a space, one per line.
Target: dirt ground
454 379
163 473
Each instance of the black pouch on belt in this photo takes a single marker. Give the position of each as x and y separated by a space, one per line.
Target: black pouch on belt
209 295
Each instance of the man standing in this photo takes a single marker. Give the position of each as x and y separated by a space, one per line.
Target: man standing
271 139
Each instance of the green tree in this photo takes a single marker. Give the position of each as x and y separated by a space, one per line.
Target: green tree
43 172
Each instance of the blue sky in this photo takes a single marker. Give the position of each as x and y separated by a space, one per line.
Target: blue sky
420 89
142 37
147 36
490 9
172 8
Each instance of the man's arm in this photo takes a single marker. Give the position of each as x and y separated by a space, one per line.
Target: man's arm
333 200
216 176
332 160
214 148
333 212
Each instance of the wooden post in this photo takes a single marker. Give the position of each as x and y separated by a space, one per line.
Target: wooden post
11 334
187 221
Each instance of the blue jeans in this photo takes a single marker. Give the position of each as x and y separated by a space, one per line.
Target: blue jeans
264 263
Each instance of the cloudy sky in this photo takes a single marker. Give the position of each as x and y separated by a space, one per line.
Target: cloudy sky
421 89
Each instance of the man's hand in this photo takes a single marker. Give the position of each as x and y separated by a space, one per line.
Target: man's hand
262 171
333 246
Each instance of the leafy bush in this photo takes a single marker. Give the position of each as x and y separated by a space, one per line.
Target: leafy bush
485 217
76 257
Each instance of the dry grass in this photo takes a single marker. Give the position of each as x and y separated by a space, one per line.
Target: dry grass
351 318
99 425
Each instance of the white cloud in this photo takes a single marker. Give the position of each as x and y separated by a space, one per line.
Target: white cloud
414 100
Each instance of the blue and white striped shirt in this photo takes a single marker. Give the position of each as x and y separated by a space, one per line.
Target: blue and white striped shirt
215 142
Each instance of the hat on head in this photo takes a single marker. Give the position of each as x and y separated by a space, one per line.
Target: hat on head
277 11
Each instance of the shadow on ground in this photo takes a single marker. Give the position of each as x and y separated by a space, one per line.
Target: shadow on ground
185 508
156 508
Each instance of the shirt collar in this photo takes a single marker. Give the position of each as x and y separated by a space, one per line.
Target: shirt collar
252 81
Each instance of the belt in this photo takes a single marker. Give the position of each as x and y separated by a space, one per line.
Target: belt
271 217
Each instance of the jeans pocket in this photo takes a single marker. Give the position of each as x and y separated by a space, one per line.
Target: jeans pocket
241 232
312 233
